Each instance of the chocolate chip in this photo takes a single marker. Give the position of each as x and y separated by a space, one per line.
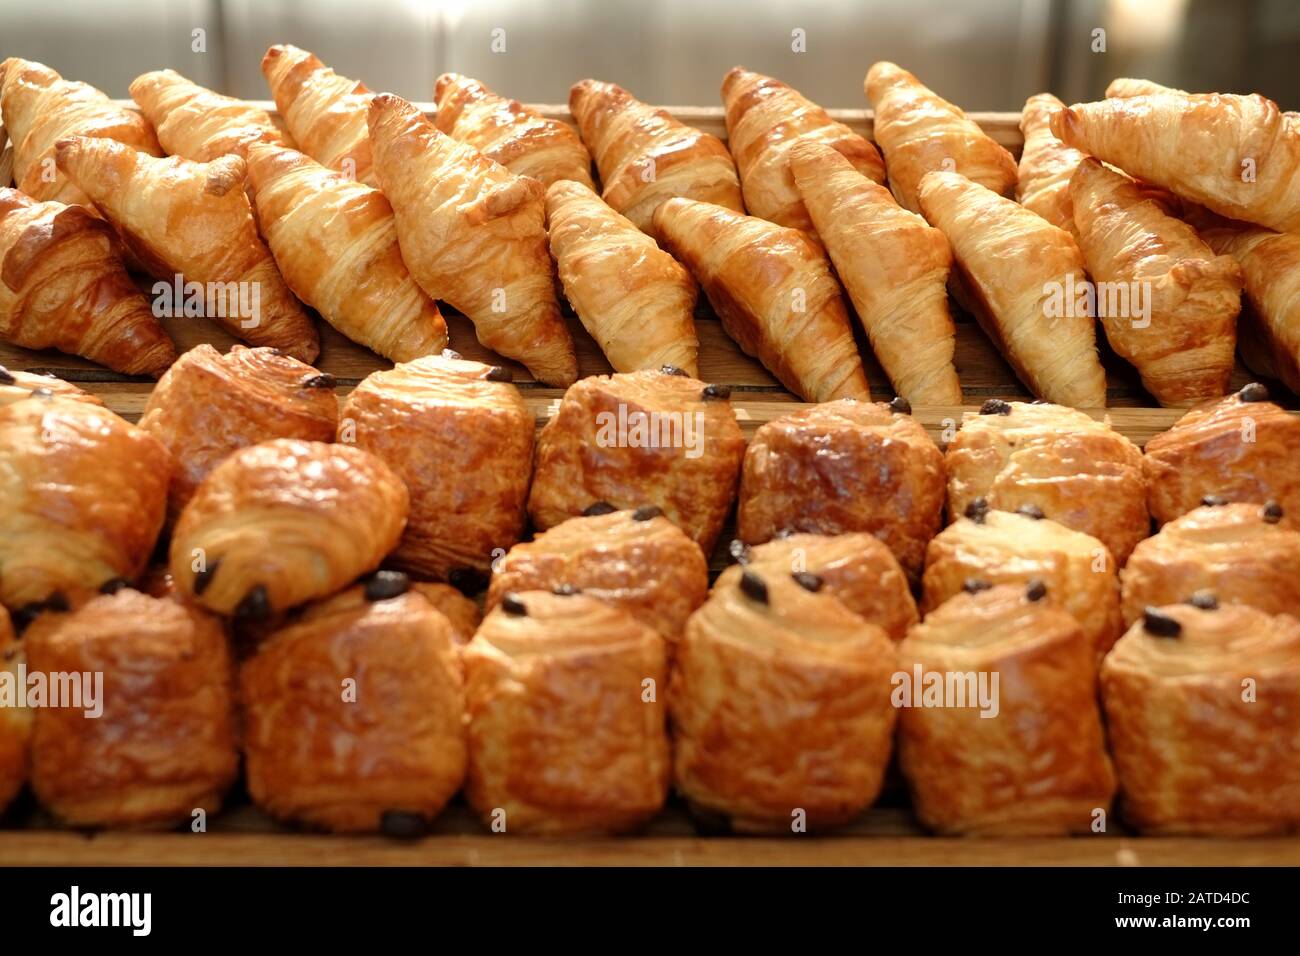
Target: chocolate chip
1160 624
1205 600
1031 511
900 406
977 509
468 581
323 380
1036 589
716 393
499 373
975 585
808 581
598 508
1254 392
754 587
403 824
203 578
646 512
451 354
739 551
566 590
6 377
995 406
278 353
1271 512
113 585
255 605
383 585
673 370
511 604
1214 501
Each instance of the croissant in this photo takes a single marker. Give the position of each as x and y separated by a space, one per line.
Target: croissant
765 120
1125 86
1046 164
773 289
645 156
40 108
1020 272
506 131
6 160
194 220
474 235
63 286
921 132
335 242
894 266
325 113
196 123
15 722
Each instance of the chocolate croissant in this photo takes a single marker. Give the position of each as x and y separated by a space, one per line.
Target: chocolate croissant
196 123
15 722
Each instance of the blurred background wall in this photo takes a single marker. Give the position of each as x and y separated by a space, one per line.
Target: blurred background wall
983 54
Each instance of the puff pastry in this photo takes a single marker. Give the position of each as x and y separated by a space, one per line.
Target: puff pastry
1004 547
844 466
16 386
1046 165
641 438
920 131
894 266
519 138
536 672
1203 714
780 705
335 242
1015 270
15 721
1055 461
765 120
645 156
209 405
354 713
473 234
283 522
1241 448
196 123
458 434
1029 759
85 494
63 286
164 744
634 299
773 289
40 107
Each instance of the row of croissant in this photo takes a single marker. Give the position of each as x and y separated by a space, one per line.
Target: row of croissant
479 211
364 701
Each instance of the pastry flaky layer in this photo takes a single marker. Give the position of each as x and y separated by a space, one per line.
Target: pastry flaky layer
164 744
1019 274
894 266
1027 754
635 300
354 715
458 434
1067 465
1203 714
780 704
335 242
645 156
512 134
773 289
565 708
15 722
194 122
284 522
844 466
765 119
1046 164
473 234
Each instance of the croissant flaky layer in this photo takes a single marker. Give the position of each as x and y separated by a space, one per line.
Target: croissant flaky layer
1046 164
194 122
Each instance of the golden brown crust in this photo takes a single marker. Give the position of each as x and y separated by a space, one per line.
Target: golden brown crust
773 289
1204 724
780 705
17 385
284 522
15 721
461 612
1046 164
844 466
1028 759
354 715
538 762
1078 471
164 745
641 438
197 123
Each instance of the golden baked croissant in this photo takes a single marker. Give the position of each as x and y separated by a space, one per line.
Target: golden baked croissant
894 266
635 299
1183 336
519 138
539 669
1203 714
194 122
162 742
1054 461
40 108
1126 86
16 386
474 235
780 705
355 713
1046 164
84 497
645 156
63 286
765 119
335 242
284 522
460 437
15 721
920 132
1023 756
6 159
325 113
194 220
773 289
1020 273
